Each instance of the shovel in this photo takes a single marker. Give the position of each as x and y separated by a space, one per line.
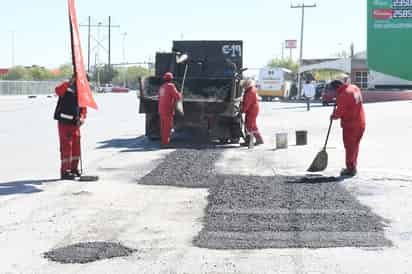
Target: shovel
179 103
321 160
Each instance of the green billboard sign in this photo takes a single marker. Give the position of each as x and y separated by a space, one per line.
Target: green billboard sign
390 37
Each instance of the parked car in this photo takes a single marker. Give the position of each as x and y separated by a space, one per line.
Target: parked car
328 95
111 88
319 89
105 88
120 89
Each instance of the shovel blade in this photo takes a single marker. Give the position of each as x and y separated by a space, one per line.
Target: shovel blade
320 162
179 108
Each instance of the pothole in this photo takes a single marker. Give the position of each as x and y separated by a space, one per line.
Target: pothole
82 253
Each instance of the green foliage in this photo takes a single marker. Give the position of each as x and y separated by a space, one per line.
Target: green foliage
66 71
40 73
18 73
104 75
131 75
37 73
284 63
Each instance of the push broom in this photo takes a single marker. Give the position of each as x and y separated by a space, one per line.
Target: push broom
321 160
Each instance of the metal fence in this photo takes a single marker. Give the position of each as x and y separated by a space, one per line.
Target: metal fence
27 87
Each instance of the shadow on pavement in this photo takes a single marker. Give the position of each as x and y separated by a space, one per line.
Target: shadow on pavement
313 179
179 141
130 145
303 106
23 187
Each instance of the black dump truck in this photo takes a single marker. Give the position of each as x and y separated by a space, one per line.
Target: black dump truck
211 73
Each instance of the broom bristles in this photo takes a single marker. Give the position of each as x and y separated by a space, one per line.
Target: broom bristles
320 162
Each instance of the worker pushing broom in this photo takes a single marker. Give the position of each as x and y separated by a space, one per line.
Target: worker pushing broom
349 109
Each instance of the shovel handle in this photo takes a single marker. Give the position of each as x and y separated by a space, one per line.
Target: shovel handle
330 126
184 78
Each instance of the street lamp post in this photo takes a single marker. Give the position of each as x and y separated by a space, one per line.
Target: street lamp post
124 59
13 50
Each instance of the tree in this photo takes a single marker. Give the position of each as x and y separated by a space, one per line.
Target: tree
66 71
40 73
18 73
132 75
104 75
284 63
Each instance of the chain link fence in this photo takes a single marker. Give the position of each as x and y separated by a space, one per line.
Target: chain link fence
27 87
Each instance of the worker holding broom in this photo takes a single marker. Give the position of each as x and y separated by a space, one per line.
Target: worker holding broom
70 117
349 108
250 107
168 96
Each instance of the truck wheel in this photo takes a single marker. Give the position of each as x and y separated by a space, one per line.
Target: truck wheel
152 126
234 140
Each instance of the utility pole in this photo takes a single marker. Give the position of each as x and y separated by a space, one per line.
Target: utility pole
88 44
283 50
110 44
99 25
124 59
301 6
13 50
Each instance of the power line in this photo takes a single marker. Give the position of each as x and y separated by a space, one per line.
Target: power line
99 25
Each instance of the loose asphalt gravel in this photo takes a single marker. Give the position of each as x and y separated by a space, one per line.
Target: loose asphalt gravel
253 212
82 253
186 168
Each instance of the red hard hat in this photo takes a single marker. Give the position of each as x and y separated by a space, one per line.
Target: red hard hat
168 76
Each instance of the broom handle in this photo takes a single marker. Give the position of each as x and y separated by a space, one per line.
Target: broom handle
330 126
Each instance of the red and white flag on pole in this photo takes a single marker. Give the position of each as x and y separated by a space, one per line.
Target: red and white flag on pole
84 93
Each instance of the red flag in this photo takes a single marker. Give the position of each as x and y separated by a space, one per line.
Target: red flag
85 97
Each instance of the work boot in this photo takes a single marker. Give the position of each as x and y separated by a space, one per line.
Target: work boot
67 176
246 143
348 172
259 141
76 172
165 146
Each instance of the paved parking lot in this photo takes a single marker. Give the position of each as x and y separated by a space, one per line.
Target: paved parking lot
227 210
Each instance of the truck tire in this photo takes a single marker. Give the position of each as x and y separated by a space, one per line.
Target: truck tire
152 126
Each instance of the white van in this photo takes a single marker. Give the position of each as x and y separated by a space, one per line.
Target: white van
274 83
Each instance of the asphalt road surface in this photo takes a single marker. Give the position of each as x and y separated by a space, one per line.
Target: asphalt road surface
205 209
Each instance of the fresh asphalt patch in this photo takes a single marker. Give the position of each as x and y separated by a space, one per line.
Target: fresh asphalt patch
185 168
251 212
254 212
88 252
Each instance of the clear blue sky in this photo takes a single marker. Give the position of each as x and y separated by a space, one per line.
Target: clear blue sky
41 30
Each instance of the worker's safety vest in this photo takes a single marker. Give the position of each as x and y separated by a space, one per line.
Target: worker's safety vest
67 109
